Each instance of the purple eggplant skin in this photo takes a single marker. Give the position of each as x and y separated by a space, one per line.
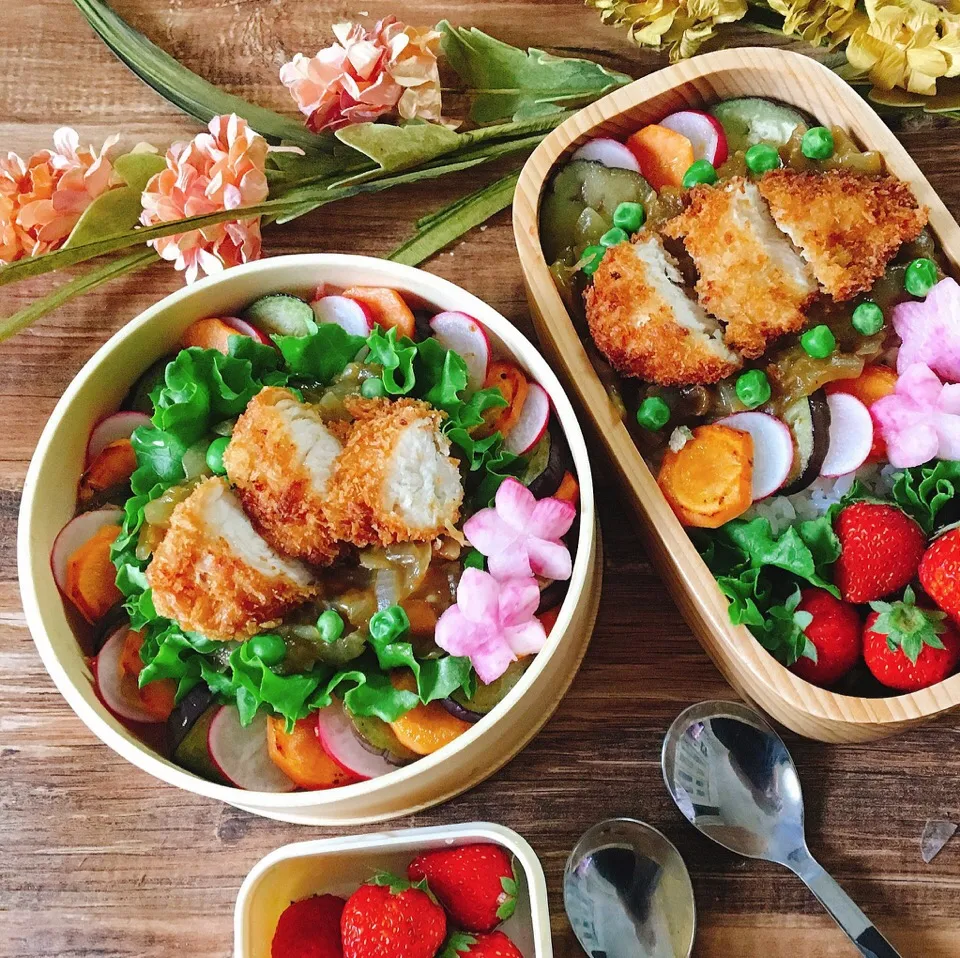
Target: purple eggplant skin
820 421
458 711
186 713
551 596
558 462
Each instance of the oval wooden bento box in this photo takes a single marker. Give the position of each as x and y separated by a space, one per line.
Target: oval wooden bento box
697 83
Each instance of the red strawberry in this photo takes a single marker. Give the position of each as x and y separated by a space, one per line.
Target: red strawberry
475 883
909 648
880 551
309 929
940 572
834 632
392 919
494 945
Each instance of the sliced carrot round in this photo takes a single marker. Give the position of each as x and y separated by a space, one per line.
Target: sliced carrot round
425 728
569 489
91 578
513 384
157 698
300 756
112 468
208 334
663 154
388 307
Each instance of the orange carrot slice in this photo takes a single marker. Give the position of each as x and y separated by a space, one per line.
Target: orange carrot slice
208 334
512 382
388 307
157 698
425 728
111 469
300 756
91 577
872 384
664 155
569 489
708 482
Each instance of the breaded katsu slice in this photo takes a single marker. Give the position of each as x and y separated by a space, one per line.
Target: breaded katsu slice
395 480
751 277
642 320
214 574
281 458
848 226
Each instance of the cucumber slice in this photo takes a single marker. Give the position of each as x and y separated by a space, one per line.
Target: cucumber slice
281 314
378 735
754 119
138 399
489 696
192 752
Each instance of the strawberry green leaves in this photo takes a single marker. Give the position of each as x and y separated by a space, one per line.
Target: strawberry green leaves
781 632
509 905
907 626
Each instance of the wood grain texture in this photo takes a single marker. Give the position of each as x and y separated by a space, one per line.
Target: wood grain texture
98 859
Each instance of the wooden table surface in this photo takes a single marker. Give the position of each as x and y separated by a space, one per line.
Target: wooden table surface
97 858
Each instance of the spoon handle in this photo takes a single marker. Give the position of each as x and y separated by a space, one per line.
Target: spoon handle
845 911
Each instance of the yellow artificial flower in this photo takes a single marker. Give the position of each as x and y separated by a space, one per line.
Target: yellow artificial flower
680 26
820 22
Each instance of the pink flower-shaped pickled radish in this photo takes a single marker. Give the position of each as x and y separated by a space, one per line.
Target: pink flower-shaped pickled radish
930 331
521 536
920 420
492 623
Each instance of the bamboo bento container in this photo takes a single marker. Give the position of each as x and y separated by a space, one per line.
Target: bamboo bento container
49 500
697 83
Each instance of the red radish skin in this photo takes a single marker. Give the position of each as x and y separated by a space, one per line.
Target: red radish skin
244 328
705 133
119 425
74 534
851 435
611 153
465 336
772 450
240 754
348 314
119 694
532 424
339 741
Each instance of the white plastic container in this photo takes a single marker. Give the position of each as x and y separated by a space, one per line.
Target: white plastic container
339 866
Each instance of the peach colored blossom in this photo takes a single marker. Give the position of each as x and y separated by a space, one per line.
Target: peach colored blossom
219 170
367 74
42 199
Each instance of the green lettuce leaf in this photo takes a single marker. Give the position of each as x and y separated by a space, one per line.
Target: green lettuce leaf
396 358
923 491
321 355
436 678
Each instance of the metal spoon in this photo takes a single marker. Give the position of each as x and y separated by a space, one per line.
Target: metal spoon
733 778
628 894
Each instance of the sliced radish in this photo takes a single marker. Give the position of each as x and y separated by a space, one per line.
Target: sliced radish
533 421
705 133
246 329
348 314
74 534
241 753
118 426
851 435
467 338
611 153
118 689
339 741
772 449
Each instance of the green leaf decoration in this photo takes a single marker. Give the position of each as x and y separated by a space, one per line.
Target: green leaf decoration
509 905
436 678
506 82
395 148
322 354
923 491
453 221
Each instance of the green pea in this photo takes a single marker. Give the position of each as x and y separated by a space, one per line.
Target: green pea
762 157
613 236
215 452
269 648
753 388
867 318
372 388
817 143
330 626
699 172
920 277
819 342
389 623
474 560
591 257
629 216
653 413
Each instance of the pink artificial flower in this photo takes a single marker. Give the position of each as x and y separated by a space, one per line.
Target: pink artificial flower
522 536
219 170
929 330
920 419
367 74
493 622
42 199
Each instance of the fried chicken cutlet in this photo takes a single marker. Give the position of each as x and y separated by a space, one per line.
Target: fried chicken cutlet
280 459
395 480
847 226
642 320
214 574
751 278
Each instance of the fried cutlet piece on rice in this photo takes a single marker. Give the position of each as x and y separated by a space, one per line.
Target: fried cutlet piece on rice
214 574
848 226
281 458
751 278
642 320
395 480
